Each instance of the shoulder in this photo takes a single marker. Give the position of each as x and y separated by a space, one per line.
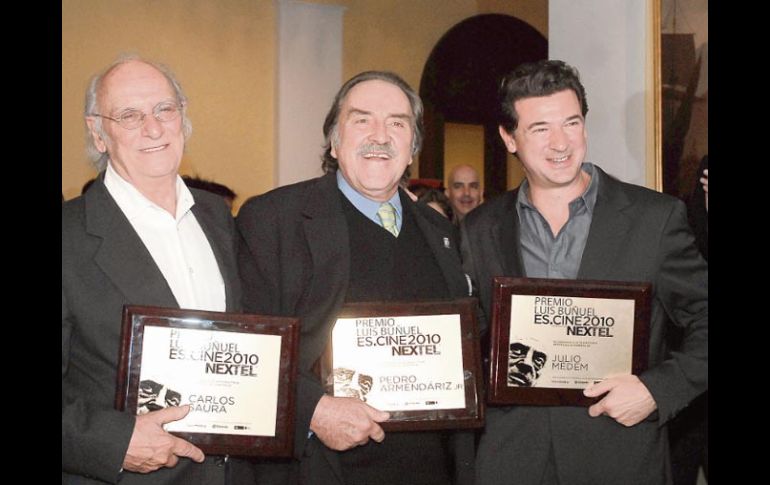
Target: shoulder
72 210
491 210
286 194
72 219
288 198
210 201
211 208
641 198
430 214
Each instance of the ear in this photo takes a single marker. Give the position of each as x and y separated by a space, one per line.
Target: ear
510 143
98 141
334 149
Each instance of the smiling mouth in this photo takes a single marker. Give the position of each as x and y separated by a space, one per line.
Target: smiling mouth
560 159
376 155
154 149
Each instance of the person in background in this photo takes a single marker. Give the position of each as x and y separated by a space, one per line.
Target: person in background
436 200
464 191
137 236
571 220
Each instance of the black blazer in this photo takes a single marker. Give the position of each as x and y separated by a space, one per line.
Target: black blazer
105 265
636 234
294 261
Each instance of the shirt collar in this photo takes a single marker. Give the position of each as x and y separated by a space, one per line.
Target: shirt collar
132 202
368 207
588 196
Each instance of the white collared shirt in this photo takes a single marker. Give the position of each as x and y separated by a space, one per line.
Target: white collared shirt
178 245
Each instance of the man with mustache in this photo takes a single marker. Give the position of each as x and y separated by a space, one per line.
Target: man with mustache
353 235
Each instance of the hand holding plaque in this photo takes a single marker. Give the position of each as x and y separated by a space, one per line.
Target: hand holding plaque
552 338
235 371
419 361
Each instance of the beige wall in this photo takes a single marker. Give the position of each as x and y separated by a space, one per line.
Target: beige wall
224 54
463 145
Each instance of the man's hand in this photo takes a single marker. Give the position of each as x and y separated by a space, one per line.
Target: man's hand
344 422
704 180
627 401
151 447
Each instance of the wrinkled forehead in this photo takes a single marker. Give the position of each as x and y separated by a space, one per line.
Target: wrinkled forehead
377 96
520 347
133 84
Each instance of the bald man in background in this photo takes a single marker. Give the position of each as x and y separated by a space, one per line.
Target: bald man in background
464 191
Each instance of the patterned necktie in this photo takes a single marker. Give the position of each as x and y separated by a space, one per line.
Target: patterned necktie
387 215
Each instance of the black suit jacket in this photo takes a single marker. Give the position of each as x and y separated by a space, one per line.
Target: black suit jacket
636 235
295 261
105 265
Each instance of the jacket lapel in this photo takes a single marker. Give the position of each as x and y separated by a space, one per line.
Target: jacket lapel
609 225
122 255
326 232
440 241
504 235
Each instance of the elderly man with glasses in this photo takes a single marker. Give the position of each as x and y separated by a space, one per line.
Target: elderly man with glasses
137 236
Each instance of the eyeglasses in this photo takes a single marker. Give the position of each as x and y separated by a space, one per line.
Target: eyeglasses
132 119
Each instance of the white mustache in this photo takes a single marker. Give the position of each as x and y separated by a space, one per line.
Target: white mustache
376 147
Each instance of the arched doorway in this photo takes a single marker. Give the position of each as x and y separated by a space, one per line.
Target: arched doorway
459 85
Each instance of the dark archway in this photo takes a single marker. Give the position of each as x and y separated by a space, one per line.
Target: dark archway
459 85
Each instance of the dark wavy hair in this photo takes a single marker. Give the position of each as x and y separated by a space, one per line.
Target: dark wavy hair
541 78
329 163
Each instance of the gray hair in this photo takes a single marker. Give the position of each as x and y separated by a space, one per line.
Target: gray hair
331 135
99 159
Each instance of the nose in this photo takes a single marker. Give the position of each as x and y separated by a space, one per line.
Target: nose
558 140
524 368
379 132
151 127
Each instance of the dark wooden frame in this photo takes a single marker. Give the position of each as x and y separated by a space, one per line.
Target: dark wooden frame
135 318
503 287
472 416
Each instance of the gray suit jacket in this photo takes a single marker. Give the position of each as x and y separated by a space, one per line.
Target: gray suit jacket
636 235
295 261
105 265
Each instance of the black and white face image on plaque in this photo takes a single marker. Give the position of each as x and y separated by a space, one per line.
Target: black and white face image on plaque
525 362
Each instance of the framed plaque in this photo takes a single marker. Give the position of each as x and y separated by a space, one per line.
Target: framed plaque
420 361
236 371
552 338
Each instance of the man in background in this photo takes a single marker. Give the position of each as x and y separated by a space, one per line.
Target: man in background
464 191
